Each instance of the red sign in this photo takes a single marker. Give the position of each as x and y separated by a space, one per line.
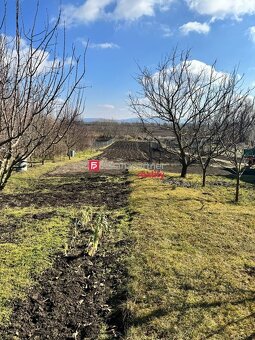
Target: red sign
152 174
94 165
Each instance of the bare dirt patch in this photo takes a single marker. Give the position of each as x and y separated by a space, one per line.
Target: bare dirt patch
132 152
135 151
80 296
73 299
73 188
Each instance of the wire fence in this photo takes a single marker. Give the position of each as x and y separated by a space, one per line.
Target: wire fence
101 144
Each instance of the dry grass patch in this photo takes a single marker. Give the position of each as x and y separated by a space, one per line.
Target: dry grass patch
192 265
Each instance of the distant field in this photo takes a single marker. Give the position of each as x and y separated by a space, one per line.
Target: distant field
130 152
139 151
192 270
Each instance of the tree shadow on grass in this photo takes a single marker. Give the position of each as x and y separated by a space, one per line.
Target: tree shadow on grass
247 177
183 307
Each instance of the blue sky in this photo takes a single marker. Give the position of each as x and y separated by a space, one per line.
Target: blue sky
124 33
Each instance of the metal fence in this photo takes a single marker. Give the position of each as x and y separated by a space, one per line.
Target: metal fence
98 144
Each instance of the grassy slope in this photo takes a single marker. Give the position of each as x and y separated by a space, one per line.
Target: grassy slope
190 263
32 245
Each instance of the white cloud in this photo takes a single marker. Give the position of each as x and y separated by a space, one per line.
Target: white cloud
107 106
251 32
135 9
193 72
92 10
219 9
40 59
195 67
104 46
195 26
166 31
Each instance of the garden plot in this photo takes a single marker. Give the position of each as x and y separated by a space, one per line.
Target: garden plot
61 276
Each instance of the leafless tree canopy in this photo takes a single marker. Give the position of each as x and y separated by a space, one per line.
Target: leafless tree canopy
193 104
238 130
40 90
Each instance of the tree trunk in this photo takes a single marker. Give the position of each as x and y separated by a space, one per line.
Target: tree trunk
5 177
184 170
204 177
237 187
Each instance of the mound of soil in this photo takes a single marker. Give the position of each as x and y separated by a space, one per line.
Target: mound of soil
136 151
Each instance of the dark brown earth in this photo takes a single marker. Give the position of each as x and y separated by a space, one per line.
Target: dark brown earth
130 153
73 299
79 294
79 188
144 152
136 151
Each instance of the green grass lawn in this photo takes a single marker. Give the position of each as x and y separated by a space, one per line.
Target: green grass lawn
192 263
27 245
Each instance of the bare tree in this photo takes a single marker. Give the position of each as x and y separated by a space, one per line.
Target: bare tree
37 85
238 129
214 118
77 136
180 99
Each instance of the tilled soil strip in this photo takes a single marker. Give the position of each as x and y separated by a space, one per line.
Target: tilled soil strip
79 294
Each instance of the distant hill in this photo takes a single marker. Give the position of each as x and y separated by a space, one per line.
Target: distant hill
124 120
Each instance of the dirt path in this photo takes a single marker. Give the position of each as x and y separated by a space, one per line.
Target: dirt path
80 296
